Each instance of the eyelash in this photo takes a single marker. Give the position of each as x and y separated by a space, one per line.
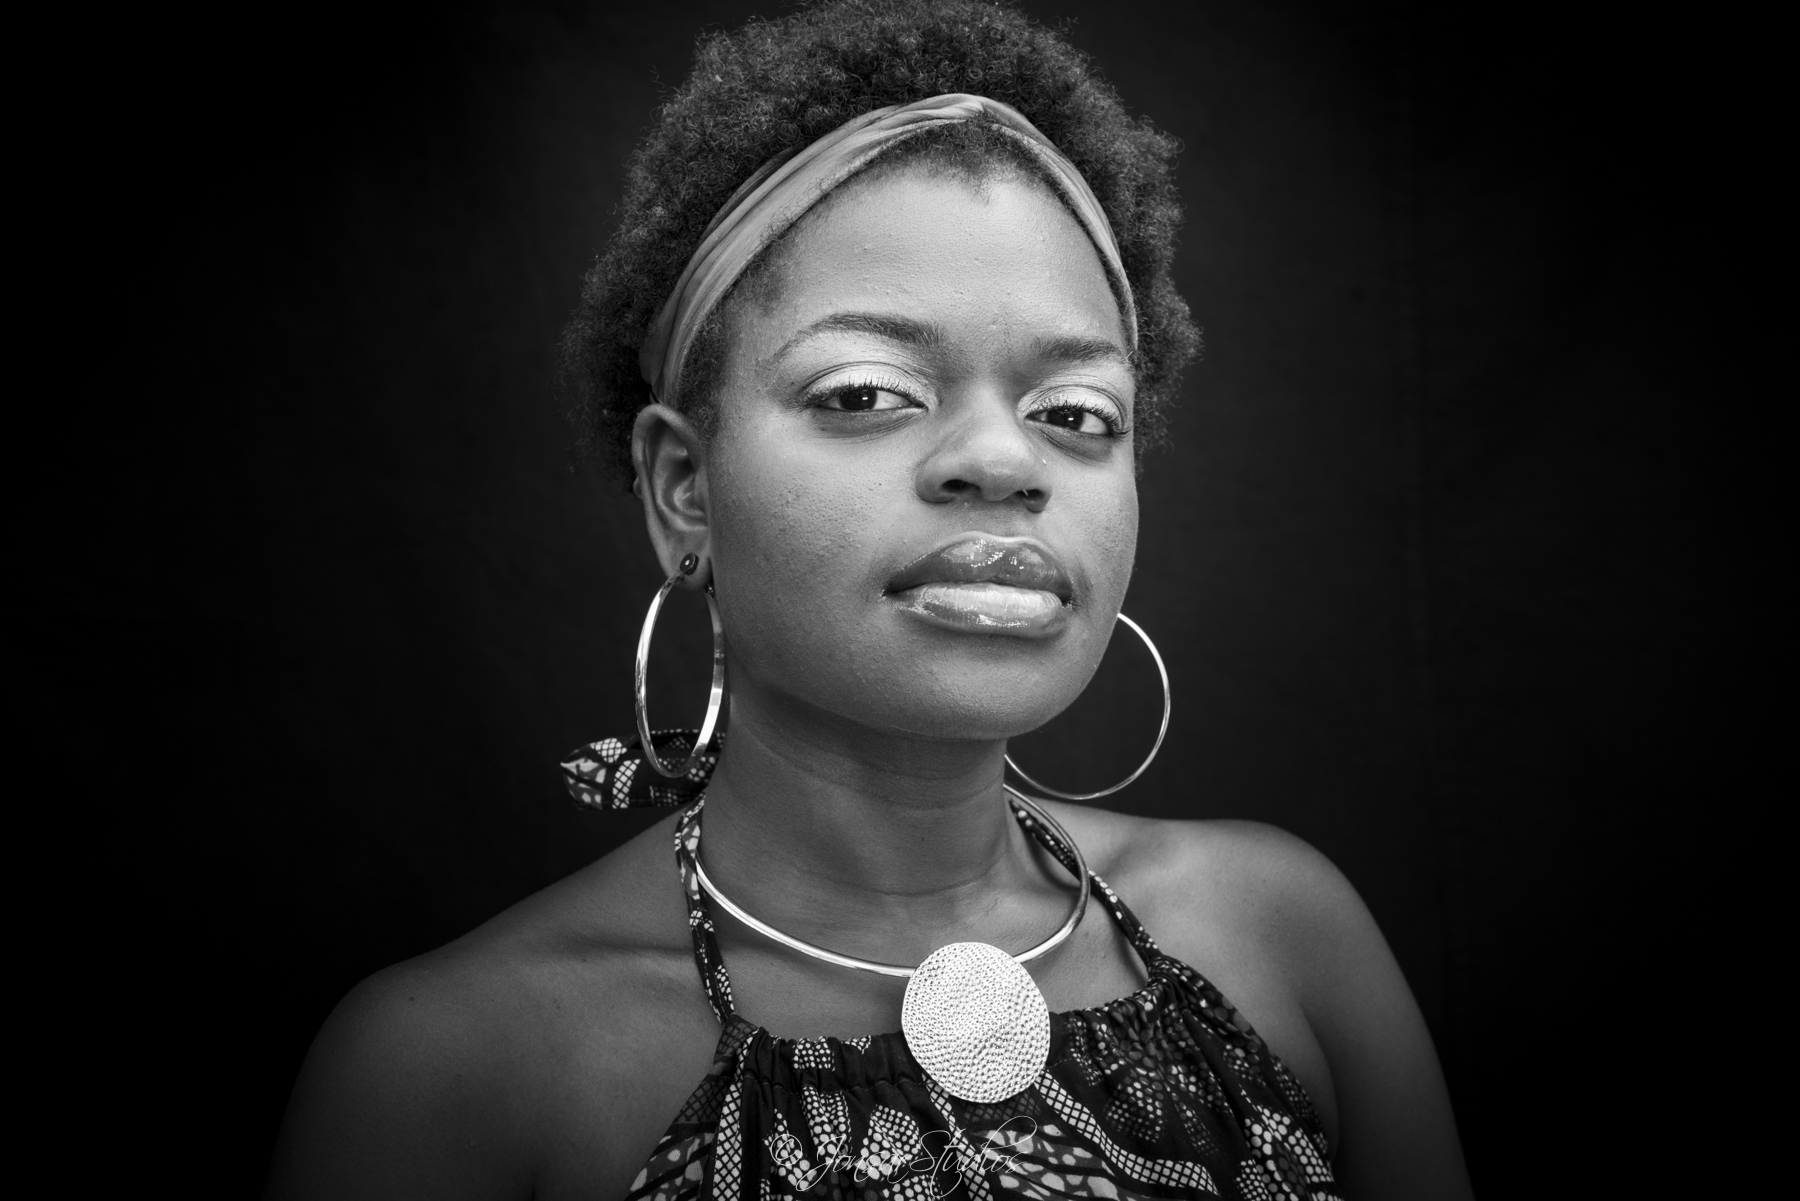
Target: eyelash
874 382
1115 428
879 382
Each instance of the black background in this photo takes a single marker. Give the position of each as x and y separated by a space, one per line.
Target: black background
1426 557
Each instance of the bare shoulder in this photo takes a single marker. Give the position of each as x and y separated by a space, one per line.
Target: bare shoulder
1284 935
455 1073
1244 879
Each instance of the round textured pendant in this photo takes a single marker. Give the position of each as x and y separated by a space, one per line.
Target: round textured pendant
975 1020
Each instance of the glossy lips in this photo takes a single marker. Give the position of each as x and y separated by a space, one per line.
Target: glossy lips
987 584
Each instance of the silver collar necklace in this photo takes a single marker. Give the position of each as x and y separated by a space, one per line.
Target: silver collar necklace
973 1016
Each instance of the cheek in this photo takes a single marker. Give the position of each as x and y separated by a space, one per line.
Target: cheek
774 516
794 543
1110 521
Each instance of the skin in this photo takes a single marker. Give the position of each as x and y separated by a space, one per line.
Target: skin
925 356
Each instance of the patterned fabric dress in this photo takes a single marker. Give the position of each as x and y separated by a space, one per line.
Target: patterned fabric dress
1165 1093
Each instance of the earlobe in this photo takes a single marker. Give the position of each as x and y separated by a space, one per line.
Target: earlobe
669 456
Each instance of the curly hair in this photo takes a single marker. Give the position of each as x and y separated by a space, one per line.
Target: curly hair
776 85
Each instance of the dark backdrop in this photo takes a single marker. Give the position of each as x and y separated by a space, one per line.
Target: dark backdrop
1424 556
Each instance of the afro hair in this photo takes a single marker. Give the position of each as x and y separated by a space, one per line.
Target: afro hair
774 86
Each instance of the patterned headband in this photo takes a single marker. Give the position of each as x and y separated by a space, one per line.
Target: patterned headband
781 192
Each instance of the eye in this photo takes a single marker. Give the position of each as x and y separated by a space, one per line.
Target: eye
1079 411
1074 419
862 398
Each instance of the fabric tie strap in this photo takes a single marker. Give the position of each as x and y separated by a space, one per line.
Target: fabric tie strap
782 191
612 774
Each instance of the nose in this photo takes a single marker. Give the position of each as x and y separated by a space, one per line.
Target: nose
987 455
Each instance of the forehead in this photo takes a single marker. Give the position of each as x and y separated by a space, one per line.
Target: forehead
981 258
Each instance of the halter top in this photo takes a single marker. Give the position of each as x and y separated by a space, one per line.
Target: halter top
1166 1093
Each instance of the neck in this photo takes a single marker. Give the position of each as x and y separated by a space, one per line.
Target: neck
874 843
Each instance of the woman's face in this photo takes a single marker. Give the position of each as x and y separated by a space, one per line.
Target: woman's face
920 496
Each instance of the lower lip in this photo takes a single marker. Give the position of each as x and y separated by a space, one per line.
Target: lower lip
986 608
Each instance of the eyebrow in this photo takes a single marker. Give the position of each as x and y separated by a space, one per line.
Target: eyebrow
1076 349
903 330
908 332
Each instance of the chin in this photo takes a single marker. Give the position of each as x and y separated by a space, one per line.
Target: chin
971 701
891 672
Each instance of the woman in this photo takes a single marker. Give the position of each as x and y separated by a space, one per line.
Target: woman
884 326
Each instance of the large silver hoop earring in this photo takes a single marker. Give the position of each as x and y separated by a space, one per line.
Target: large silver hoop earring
714 703
1160 733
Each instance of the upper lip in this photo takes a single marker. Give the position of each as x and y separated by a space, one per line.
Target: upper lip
987 559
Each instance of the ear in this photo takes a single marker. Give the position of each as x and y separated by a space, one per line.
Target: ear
669 456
